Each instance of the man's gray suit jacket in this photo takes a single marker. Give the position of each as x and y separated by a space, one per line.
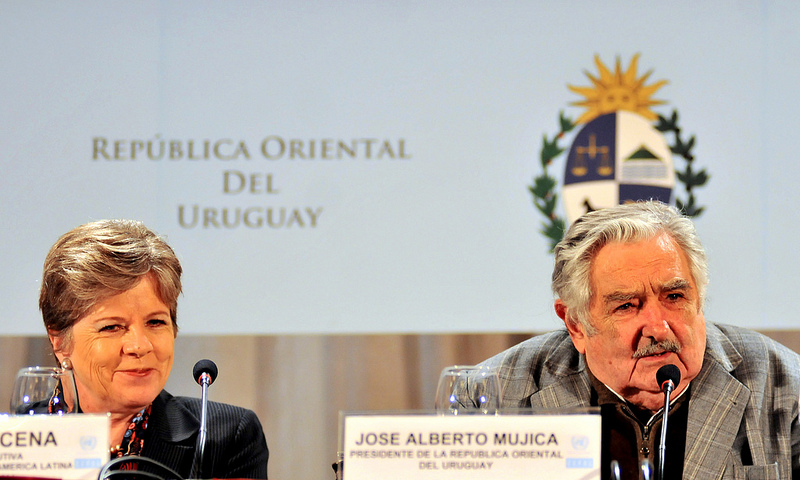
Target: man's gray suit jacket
743 403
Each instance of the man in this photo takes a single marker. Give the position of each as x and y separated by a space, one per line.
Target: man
630 282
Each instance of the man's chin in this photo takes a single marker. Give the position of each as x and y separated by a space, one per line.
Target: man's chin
652 401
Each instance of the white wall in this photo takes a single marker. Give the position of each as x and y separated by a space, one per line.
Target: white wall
443 240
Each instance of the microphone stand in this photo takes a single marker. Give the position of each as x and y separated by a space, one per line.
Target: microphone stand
197 467
662 448
204 372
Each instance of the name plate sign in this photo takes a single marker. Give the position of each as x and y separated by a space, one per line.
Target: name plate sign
432 447
53 446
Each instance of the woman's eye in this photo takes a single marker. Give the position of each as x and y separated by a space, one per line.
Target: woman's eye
110 328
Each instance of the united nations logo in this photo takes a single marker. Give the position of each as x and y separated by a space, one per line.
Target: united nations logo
88 442
620 154
580 442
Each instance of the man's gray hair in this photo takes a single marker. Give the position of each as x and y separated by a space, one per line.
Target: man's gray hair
631 222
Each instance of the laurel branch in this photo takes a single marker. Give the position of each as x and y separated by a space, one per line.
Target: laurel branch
544 187
545 196
688 176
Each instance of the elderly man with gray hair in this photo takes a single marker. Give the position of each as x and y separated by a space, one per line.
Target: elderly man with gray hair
630 282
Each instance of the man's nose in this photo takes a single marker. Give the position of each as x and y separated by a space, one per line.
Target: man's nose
654 318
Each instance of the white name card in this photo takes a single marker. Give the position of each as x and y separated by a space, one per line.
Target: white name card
53 446
432 447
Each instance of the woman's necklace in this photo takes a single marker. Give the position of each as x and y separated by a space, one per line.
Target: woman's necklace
133 440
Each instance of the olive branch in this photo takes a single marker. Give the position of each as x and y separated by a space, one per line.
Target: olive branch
545 196
688 177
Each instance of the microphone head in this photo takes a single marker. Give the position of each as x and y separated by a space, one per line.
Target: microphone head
668 373
209 367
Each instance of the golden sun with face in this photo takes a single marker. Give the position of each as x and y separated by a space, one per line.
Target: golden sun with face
617 90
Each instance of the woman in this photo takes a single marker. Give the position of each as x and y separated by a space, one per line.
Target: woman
109 299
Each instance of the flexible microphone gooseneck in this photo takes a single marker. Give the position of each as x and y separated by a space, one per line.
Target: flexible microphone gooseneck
204 373
668 377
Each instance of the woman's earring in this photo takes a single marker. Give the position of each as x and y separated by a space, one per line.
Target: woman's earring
66 364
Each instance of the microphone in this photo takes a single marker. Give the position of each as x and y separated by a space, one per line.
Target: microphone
668 377
204 373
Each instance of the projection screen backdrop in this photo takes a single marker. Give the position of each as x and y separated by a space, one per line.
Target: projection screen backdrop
350 167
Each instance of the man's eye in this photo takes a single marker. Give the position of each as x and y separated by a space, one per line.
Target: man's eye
625 306
675 296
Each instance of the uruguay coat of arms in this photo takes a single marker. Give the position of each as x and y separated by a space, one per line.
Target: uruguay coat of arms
619 152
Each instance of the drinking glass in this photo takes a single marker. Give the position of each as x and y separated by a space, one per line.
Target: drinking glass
44 390
468 389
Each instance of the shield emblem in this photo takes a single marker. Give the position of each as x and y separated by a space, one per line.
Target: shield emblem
616 158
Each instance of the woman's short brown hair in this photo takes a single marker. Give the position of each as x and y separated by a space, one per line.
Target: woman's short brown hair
101 259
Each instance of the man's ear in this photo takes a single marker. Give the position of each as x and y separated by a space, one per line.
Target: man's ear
575 328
